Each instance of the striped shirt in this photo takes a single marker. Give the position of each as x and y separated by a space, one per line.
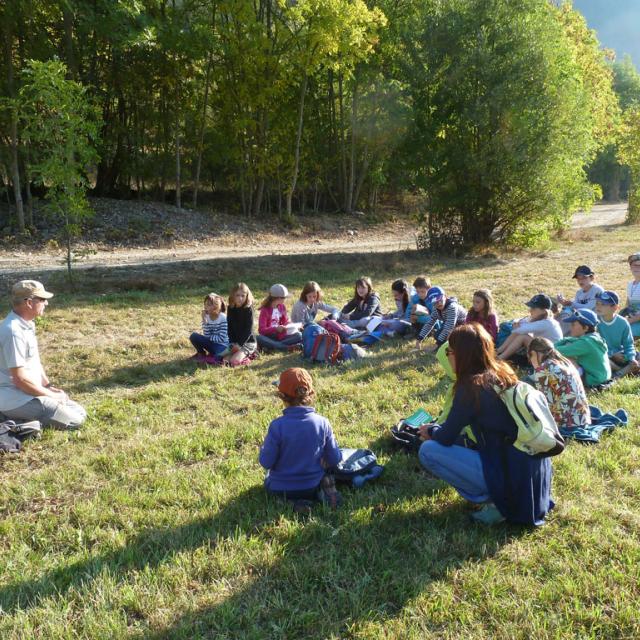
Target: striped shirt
216 330
444 321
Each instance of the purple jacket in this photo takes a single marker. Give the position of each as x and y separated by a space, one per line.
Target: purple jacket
295 444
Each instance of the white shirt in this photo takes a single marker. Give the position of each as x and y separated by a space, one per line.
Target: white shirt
18 348
548 328
633 295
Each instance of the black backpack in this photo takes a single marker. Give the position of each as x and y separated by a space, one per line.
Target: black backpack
12 435
406 435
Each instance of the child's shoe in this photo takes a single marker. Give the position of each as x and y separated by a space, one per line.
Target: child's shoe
328 494
198 357
213 360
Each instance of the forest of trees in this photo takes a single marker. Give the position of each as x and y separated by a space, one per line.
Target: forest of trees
492 111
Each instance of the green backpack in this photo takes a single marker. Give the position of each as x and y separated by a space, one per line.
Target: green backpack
538 433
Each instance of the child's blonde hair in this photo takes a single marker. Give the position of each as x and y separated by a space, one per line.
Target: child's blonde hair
213 298
241 286
485 295
310 287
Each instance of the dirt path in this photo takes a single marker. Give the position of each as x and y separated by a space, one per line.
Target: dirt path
390 237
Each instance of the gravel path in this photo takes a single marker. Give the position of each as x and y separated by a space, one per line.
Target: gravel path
396 236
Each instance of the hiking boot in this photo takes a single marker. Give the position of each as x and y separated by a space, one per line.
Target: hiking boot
328 494
488 514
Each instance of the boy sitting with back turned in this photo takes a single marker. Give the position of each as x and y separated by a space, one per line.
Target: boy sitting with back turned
300 446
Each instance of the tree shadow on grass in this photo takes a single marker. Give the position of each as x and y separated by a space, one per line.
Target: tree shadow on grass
137 375
364 562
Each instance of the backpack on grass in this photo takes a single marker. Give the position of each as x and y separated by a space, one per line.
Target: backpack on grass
356 467
309 334
12 435
538 433
326 348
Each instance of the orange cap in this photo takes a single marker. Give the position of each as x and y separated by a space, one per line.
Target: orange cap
294 379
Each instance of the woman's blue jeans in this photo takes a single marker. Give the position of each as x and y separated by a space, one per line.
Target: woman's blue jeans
458 466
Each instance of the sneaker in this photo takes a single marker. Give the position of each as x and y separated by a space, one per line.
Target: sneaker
328 494
198 357
488 514
294 347
213 360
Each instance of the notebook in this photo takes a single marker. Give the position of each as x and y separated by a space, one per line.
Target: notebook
419 418
373 324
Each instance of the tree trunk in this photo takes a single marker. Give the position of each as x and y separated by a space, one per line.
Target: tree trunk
349 203
67 22
296 162
196 185
343 152
178 184
13 127
633 215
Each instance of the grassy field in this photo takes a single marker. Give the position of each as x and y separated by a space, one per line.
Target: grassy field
151 522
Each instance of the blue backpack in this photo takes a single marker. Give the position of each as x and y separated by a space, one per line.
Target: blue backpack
357 467
309 334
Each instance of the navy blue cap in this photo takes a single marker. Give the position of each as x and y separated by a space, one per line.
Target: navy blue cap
540 301
583 270
583 316
435 293
608 297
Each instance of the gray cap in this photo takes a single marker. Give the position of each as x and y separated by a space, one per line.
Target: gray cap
279 291
29 289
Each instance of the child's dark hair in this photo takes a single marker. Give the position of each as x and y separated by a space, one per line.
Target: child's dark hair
304 397
310 287
363 281
241 286
422 282
485 294
401 286
212 298
589 328
544 348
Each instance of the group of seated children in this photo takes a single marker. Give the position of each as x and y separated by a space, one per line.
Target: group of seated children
300 447
590 330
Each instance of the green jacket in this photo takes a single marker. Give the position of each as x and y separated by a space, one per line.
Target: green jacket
442 358
590 352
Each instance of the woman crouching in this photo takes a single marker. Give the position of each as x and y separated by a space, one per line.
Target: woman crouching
509 484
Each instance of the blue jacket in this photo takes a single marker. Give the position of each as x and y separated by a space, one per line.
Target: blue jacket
294 447
523 493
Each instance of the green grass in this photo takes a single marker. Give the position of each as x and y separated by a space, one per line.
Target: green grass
152 523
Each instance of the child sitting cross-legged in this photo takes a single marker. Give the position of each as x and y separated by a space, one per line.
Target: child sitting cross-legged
213 341
586 348
275 331
300 446
616 332
585 297
632 310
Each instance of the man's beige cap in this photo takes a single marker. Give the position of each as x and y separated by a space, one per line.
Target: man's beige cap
29 289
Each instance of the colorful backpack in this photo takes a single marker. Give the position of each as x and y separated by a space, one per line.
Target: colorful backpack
326 348
309 334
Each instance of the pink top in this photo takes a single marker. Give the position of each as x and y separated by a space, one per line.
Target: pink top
270 318
490 324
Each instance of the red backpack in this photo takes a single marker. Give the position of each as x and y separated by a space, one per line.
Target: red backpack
326 348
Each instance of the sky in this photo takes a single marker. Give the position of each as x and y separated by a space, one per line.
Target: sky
617 23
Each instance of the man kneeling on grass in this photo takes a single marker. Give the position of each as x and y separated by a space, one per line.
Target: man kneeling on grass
299 446
25 391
